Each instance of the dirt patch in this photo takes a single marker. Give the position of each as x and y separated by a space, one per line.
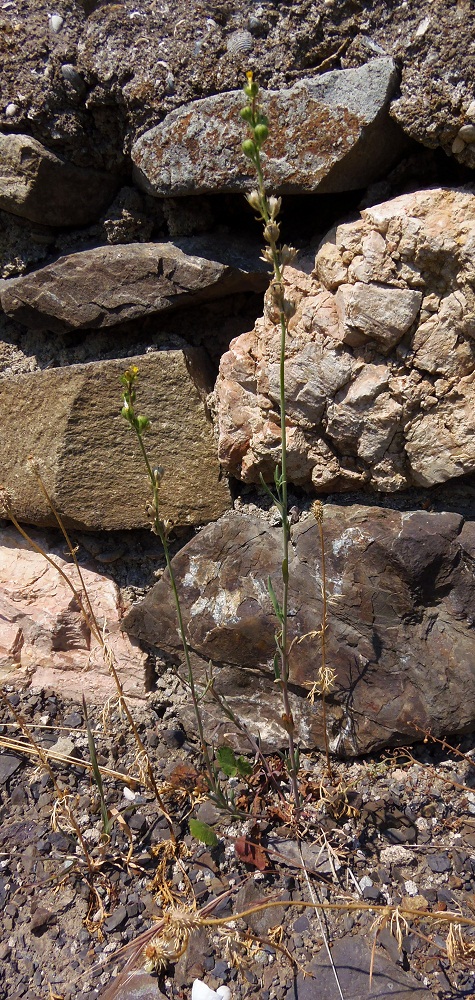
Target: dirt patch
393 829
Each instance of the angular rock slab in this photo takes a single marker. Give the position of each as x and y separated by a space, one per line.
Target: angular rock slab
134 985
380 364
113 284
400 637
40 186
331 133
69 421
361 975
44 639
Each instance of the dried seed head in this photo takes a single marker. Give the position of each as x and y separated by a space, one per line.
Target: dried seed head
272 232
317 511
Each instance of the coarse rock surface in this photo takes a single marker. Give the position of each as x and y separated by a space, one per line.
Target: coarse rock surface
106 72
334 134
38 185
69 420
44 638
380 359
109 285
401 599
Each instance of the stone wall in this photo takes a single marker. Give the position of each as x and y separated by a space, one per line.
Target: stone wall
125 239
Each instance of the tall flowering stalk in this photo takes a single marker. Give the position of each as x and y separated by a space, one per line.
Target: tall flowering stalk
282 309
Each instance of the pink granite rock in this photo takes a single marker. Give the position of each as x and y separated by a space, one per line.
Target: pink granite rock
43 636
380 362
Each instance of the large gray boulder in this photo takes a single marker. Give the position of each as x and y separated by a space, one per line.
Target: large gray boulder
400 637
331 133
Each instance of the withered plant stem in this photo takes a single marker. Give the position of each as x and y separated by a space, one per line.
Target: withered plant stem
59 792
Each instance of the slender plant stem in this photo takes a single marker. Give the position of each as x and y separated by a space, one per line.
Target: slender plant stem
159 528
283 496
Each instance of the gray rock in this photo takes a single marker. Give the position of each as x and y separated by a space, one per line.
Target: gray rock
135 985
439 863
401 596
351 958
69 420
113 284
331 133
116 919
42 187
8 765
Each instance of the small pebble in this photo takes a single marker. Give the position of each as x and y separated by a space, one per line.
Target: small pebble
467 133
439 863
115 919
73 720
458 145
365 883
56 23
71 75
470 112
11 110
410 888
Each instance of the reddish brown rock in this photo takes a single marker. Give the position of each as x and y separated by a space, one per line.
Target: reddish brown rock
401 608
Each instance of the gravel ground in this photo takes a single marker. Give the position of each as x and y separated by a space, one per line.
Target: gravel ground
398 827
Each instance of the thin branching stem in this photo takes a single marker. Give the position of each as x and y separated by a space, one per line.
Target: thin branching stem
268 209
162 528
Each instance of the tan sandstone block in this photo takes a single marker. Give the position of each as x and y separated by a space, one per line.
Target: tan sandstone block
69 420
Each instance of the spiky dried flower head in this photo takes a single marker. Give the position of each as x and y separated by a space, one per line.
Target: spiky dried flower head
317 511
171 940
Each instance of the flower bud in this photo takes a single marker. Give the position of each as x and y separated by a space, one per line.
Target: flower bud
142 424
287 255
254 200
247 114
249 148
261 133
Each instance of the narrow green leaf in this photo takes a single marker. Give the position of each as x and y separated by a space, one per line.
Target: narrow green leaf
203 833
267 489
227 761
277 667
275 603
96 772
